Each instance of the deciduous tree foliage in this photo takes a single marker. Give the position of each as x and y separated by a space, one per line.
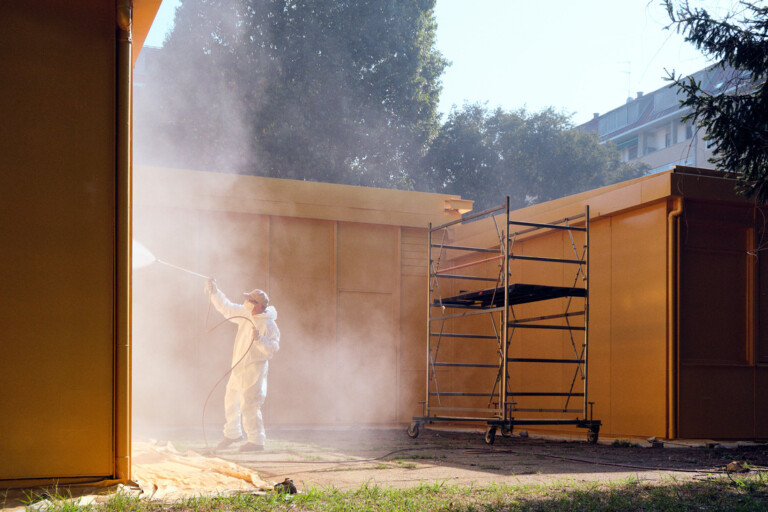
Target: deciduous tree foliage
340 91
735 119
532 157
345 91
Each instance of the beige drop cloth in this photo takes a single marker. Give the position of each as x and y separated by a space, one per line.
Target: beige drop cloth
163 472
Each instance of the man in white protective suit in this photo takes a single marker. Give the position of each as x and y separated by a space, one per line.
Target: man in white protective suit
257 340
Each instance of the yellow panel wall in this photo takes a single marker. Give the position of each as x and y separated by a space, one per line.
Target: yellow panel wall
350 299
366 375
638 361
600 328
628 350
57 238
302 287
413 311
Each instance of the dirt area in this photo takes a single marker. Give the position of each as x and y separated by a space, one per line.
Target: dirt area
181 466
348 458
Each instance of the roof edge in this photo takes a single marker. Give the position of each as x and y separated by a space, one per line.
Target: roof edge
206 190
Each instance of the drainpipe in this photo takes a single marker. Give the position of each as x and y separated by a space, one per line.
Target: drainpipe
122 416
672 316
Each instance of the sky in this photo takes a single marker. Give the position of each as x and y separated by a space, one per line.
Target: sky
579 57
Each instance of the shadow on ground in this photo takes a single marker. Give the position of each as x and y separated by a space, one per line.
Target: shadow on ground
351 457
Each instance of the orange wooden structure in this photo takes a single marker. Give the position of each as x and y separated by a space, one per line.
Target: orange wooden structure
678 307
65 233
678 343
343 265
676 349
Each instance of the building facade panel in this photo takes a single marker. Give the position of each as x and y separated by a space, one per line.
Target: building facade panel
58 235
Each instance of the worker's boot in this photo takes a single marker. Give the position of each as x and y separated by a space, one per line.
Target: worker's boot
251 447
227 442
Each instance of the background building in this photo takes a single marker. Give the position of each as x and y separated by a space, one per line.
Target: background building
649 129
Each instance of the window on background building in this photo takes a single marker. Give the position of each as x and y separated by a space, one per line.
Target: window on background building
688 131
667 137
650 143
675 128
628 149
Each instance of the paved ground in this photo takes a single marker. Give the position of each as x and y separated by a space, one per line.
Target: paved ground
349 458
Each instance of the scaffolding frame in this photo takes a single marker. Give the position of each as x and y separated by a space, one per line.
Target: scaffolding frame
498 304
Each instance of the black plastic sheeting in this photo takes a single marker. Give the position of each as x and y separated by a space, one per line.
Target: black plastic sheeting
519 293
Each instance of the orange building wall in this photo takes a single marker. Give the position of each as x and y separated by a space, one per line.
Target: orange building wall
352 303
57 233
637 343
677 309
350 296
65 196
628 372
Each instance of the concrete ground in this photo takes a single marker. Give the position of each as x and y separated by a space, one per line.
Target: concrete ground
351 457
181 465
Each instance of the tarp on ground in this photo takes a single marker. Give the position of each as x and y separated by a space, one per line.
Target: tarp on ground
163 472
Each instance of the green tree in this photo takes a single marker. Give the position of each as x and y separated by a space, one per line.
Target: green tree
735 116
532 157
341 91
460 159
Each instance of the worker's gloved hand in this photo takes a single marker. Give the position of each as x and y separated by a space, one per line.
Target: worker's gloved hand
210 287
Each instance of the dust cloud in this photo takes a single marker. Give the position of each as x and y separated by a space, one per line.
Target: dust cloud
338 363
339 358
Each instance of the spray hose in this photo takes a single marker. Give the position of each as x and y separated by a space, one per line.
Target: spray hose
210 393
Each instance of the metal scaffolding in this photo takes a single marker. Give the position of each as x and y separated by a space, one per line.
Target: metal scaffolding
497 304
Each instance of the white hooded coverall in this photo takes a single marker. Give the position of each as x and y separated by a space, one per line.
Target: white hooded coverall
247 386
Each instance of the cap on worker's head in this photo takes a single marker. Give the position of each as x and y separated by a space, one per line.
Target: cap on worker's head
258 295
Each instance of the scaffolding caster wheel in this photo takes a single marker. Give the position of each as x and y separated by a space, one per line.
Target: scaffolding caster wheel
592 436
414 429
506 431
490 435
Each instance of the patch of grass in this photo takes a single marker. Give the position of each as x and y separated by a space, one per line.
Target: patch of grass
748 492
751 484
621 444
123 502
55 499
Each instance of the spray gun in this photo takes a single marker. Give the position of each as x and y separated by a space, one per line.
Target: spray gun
142 257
